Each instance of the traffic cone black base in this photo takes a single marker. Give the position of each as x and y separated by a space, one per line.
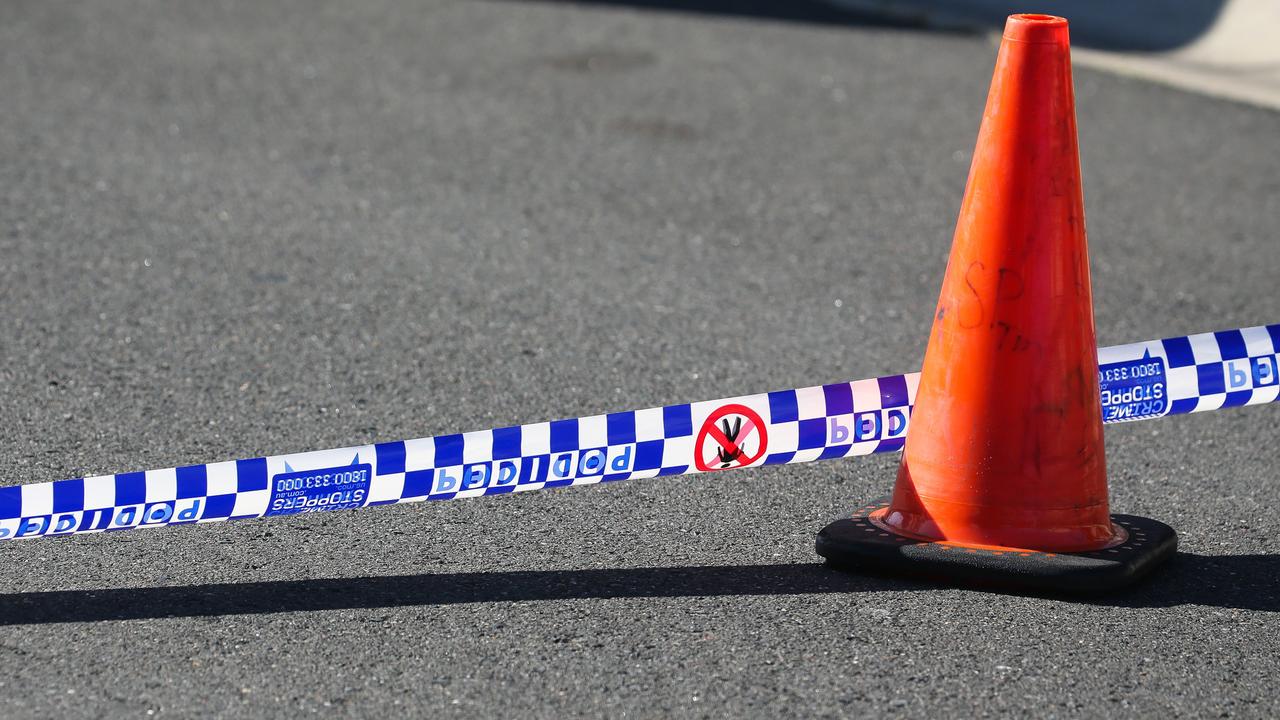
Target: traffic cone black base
860 543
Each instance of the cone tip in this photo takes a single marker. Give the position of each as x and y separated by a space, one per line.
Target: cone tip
1030 28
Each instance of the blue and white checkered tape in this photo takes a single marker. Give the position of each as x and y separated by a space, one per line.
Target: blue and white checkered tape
1137 381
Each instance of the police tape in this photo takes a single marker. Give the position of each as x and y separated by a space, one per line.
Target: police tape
1138 381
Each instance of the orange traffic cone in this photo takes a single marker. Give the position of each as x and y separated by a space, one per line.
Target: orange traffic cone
1003 477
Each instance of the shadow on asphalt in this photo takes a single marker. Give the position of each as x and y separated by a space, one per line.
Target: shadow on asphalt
1122 25
1243 582
808 12
1248 582
435 589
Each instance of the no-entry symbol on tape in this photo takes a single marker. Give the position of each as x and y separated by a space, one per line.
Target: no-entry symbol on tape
733 436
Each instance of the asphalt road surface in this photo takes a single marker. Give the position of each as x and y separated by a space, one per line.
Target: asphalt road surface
238 228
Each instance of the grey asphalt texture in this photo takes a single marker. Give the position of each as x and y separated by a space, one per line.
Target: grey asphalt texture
239 228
